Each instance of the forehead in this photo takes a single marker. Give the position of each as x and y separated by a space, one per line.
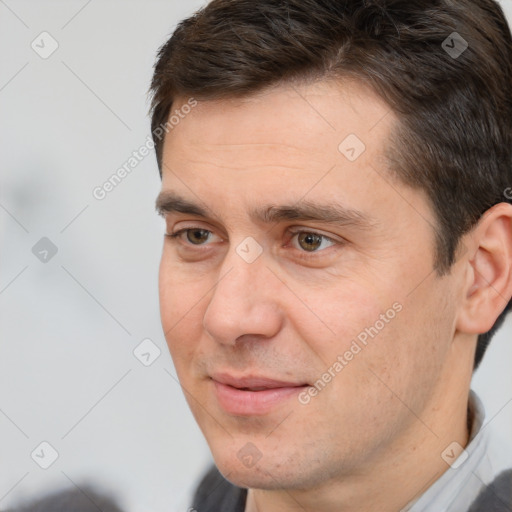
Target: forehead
295 126
325 142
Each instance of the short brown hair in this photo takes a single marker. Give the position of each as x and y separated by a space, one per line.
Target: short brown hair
454 103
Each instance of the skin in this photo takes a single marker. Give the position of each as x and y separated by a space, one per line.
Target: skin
372 439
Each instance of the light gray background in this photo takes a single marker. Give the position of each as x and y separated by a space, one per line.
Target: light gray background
69 326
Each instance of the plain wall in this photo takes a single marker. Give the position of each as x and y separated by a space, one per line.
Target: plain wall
69 326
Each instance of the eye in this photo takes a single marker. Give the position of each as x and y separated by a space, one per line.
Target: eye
194 235
311 241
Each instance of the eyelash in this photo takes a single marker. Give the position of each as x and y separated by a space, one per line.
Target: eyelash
304 254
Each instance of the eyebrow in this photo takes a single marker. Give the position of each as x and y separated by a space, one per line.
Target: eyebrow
331 213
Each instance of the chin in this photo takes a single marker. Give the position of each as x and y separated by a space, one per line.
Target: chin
252 479
269 473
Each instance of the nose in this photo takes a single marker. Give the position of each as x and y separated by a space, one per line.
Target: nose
245 302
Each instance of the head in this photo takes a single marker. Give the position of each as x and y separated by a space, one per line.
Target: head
376 110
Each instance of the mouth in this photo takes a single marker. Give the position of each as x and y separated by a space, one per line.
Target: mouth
252 395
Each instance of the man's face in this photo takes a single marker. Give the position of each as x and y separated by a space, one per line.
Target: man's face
255 313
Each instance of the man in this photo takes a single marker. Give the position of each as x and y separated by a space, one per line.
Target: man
336 190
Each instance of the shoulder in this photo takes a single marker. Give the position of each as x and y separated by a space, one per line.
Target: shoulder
85 499
215 493
497 496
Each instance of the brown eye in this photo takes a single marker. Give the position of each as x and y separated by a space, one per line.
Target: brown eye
197 236
310 241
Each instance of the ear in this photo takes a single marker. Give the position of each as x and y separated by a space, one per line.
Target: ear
488 286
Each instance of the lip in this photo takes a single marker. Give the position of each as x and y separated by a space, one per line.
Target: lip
252 395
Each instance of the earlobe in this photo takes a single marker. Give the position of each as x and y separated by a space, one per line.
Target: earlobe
488 287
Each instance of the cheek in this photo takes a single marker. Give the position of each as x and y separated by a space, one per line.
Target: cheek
370 327
337 315
407 357
180 311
